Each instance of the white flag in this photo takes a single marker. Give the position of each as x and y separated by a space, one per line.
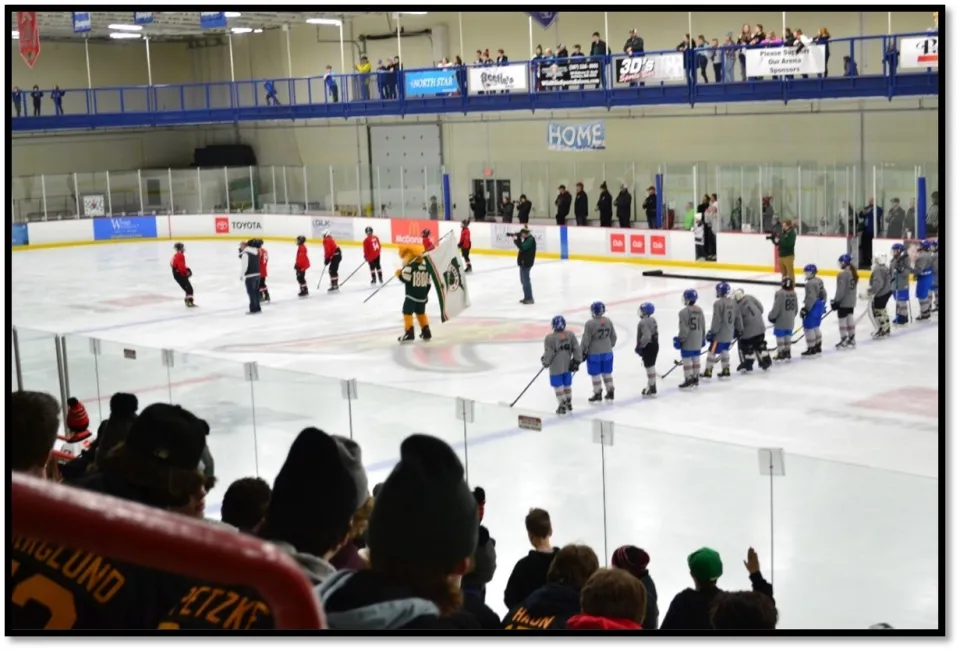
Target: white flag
446 270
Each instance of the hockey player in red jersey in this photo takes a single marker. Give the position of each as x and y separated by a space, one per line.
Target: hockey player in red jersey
465 243
371 253
301 265
264 259
182 273
428 244
332 258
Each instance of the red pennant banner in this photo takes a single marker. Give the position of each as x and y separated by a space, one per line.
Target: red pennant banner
29 37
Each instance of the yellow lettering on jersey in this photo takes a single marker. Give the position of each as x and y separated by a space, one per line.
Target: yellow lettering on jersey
214 594
191 597
87 570
109 587
43 553
213 615
522 621
169 626
75 564
91 577
52 561
245 614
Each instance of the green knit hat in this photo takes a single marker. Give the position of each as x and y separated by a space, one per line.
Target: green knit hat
705 565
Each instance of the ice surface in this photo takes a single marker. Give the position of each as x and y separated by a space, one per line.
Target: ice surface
856 511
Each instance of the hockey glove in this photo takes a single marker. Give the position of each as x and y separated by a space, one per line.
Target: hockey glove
710 337
574 366
638 350
543 362
189 272
398 272
803 313
833 305
737 335
771 319
676 343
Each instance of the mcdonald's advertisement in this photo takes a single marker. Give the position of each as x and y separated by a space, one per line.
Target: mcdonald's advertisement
409 231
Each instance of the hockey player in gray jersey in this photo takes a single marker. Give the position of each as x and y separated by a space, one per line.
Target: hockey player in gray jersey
879 294
844 302
935 287
726 321
783 315
561 354
691 339
648 346
900 283
752 345
599 338
812 312
923 271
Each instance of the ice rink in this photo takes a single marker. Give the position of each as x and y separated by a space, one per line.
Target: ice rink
859 428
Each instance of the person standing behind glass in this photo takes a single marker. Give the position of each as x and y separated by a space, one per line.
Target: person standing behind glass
523 209
57 96
605 206
37 95
507 210
17 97
526 254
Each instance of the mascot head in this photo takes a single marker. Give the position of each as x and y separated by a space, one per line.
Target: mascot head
409 253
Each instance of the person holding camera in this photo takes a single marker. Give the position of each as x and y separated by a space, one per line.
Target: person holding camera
526 253
507 210
523 209
785 241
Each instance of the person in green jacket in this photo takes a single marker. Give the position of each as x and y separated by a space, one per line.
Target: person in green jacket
785 242
691 217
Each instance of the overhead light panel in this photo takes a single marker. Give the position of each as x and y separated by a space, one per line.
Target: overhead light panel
241 30
325 21
126 28
120 35
231 14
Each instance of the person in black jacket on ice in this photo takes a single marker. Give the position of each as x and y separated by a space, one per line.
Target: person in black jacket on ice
562 202
581 206
605 206
690 609
624 202
650 207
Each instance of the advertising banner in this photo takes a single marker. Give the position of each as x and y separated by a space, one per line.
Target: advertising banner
340 229
633 244
656 67
21 235
142 17
570 73
93 205
81 21
237 226
780 61
502 236
586 136
922 52
408 231
29 42
544 18
426 83
210 19
124 228
493 79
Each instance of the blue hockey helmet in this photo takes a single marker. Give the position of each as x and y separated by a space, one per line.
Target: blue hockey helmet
925 245
597 308
690 296
935 245
897 248
723 288
845 260
646 308
810 270
559 324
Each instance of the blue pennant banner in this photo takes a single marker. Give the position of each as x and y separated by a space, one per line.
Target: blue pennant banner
545 18
210 19
142 17
81 21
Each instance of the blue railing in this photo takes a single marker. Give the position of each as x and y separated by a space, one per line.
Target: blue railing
660 77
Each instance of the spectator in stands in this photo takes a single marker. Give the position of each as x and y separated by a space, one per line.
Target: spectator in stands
703 57
933 215
17 97
33 421
78 436
802 42
422 534
382 91
37 96
624 203
270 89
634 44
598 47
850 67
396 77
123 411
57 96
687 47
330 85
635 561
896 220
743 611
562 202
530 572
349 557
363 83
473 603
502 59
506 210
611 599
744 41
581 206
910 222
690 609
716 59
689 216
523 209
538 55
245 504
736 215
478 204
433 209
605 206
485 557
728 59
650 207
823 38
890 58
550 607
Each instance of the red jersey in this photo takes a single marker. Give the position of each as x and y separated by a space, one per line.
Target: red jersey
427 244
371 248
264 259
329 249
465 238
303 262
179 263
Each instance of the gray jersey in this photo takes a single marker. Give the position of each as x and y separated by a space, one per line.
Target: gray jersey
900 270
693 326
647 331
599 336
880 282
814 291
923 264
726 320
559 349
751 311
846 296
936 269
783 314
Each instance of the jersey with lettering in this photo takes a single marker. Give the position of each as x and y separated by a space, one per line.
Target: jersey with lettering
726 320
784 311
846 296
219 608
416 279
900 269
813 291
880 280
599 336
751 311
179 263
693 327
371 248
647 331
559 349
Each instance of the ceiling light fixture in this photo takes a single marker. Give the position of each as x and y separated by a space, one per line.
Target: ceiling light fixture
241 30
325 21
119 35
231 14
126 28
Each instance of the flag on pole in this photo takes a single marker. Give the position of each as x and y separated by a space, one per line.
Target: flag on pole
446 270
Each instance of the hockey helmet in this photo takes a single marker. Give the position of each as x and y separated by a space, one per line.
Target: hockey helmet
558 323
845 260
925 245
723 288
646 308
787 283
178 246
810 271
368 230
425 233
880 258
897 248
301 239
738 294
597 308
465 223
935 245
690 296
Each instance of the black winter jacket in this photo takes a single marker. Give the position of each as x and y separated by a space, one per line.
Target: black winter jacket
528 576
548 608
690 609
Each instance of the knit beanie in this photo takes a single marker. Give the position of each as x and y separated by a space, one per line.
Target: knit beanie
170 435
705 565
425 512
123 404
316 492
631 559
77 419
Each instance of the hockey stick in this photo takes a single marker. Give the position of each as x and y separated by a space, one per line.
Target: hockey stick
378 289
351 275
542 369
675 365
320 282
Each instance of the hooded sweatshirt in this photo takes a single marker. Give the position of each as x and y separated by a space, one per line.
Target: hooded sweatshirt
690 609
529 574
593 623
548 608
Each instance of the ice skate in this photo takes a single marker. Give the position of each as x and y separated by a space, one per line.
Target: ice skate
809 352
688 383
708 373
650 392
851 343
407 335
189 302
766 363
724 373
569 404
745 367
843 343
303 292
265 297
923 316
609 395
596 397
373 280
333 288
425 333
562 409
